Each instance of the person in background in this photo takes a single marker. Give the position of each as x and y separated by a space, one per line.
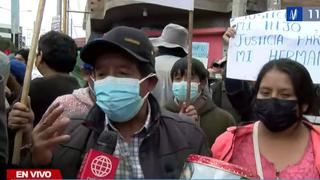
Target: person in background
172 45
218 89
75 105
150 144
3 129
6 46
217 68
283 93
5 73
55 59
79 103
212 119
18 70
86 71
13 90
22 55
240 92
77 71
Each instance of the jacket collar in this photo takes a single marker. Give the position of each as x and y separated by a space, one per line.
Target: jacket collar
204 104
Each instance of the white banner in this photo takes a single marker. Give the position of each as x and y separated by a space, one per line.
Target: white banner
268 36
179 4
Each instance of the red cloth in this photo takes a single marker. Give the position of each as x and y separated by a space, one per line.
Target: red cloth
7 52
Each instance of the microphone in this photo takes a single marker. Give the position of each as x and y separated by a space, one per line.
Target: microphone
98 163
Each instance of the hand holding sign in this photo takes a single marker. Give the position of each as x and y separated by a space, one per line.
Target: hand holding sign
189 111
27 78
230 33
268 36
48 134
21 117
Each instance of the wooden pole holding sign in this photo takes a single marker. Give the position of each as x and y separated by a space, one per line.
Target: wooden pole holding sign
189 69
27 78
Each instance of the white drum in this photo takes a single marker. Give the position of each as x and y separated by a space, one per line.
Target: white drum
201 167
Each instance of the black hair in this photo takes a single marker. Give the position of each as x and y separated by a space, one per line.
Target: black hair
299 76
197 68
24 53
59 51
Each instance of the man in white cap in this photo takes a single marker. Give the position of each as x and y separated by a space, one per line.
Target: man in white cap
172 45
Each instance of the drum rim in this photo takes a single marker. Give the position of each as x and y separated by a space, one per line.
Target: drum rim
232 168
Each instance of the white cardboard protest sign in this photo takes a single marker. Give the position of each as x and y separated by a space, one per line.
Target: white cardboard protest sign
179 4
200 51
267 36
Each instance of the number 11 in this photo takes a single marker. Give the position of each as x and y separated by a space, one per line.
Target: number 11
311 13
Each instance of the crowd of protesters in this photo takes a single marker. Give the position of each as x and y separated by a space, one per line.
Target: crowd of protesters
136 87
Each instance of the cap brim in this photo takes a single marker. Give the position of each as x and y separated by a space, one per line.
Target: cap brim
95 48
159 42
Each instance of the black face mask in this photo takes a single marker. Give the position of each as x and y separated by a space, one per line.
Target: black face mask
276 114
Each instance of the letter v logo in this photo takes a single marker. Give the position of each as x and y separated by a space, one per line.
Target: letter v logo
294 13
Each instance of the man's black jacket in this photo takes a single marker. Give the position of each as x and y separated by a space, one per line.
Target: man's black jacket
170 139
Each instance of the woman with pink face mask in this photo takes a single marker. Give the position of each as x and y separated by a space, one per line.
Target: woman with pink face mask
281 143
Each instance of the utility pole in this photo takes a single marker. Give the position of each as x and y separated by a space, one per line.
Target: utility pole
64 22
71 27
239 8
59 7
59 12
274 5
69 23
15 21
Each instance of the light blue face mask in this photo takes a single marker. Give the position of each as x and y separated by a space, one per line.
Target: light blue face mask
119 98
179 90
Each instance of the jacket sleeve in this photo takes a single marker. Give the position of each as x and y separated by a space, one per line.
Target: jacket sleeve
221 149
204 147
27 163
3 127
205 150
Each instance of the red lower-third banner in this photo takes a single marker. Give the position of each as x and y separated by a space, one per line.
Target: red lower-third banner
33 174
